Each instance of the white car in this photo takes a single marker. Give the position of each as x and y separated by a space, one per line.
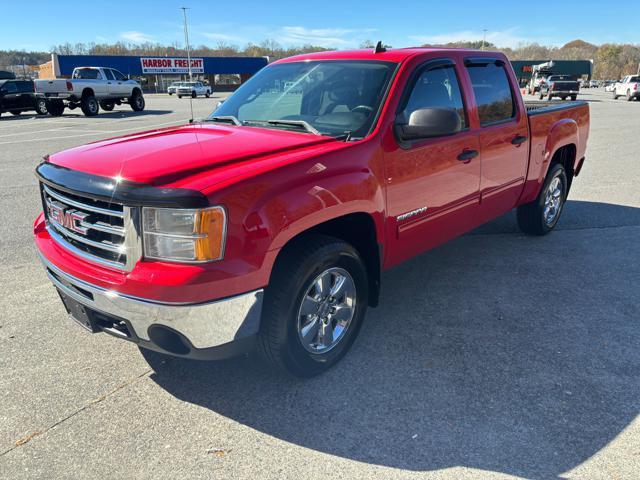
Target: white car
173 88
628 87
193 89
91 88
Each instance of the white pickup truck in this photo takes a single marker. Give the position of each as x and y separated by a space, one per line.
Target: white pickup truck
91 88
628 87
193 89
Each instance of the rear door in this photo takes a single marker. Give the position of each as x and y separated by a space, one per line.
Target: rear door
25 98
504 131
432 184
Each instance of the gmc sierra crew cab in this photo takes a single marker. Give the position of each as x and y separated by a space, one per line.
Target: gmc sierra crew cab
268 224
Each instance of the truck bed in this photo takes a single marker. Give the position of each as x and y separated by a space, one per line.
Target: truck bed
541 106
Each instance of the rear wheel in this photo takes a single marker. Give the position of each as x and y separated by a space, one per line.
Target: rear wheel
107 106
41 106
574 97
55 107
314 306
541 216
89 105
179 96
137 101
629 96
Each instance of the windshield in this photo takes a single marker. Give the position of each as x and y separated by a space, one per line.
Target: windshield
332 97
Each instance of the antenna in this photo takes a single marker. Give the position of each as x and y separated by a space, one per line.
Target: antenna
186 42
379 48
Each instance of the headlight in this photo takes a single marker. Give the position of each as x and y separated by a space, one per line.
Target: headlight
184 235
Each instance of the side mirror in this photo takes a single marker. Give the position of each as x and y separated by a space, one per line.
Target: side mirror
430 122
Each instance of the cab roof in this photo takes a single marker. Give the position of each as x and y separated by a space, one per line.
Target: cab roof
395 55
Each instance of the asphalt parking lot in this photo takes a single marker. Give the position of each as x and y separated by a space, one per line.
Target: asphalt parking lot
494 356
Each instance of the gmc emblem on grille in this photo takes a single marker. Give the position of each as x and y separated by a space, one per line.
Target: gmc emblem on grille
69 219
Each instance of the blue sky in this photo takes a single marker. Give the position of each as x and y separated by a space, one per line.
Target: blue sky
39 24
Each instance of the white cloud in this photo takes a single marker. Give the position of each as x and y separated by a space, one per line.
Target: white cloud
505 38
322 37
221 37
136 37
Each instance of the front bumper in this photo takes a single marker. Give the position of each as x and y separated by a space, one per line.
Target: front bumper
213 330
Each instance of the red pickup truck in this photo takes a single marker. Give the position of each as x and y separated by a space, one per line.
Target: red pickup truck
268 223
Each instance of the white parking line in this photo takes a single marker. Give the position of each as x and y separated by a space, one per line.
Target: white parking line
139 127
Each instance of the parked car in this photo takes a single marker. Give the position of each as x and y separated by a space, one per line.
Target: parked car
267 224
628 87
609 86
539 76
193 89
594 84
17 96
563 86
91 88
173 88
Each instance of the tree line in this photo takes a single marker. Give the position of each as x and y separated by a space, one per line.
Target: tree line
611 61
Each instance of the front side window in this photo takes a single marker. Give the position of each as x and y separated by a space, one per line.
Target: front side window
10 87
493 93
109 74
119 76
335 97
437 88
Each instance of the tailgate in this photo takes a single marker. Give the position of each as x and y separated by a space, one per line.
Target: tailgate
566 86
51 86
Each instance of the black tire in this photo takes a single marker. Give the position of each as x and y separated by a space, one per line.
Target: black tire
179 96
540 95
549 97
531 216
574 97
41 106
208 94
89 106
170 93
194 95
15 112
55 107
279 339
107 106
629 96
615 96
137 101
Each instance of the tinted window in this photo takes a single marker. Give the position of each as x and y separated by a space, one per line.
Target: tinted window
493 93
437 88
109 74
87 74
119 76
24 86
10 87
634 79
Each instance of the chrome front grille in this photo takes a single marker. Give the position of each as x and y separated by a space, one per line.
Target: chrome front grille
102 232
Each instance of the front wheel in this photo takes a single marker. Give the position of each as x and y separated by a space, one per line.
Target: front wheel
541 216
194 95
574 97
314 306
137 101
208 94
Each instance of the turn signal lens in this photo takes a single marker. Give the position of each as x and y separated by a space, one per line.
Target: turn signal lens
184 235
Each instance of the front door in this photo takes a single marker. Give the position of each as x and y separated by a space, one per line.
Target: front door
432 184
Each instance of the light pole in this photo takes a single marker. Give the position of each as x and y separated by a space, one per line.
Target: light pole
186 41
484 36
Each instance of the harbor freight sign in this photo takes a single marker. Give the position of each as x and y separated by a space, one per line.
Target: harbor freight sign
155 65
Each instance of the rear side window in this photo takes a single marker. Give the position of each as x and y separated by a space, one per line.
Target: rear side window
493 93
87 74
437 88
24 87
634 79
10 87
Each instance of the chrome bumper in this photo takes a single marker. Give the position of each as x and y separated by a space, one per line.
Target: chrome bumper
204 325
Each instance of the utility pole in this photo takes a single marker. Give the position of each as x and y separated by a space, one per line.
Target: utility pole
186 41
484 37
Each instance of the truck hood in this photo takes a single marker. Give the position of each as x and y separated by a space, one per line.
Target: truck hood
161 157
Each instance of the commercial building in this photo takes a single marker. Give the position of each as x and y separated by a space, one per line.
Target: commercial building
157 73
579 69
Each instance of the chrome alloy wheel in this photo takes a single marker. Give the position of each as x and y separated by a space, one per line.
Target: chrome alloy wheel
553 201
326 310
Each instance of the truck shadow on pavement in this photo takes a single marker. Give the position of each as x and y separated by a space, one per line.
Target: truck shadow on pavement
496 351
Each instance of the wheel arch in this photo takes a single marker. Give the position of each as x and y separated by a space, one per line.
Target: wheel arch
87 92
359 230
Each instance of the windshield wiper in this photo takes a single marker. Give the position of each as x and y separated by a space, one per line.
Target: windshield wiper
225 119
306 126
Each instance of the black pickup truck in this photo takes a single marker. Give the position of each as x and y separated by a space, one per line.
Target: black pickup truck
17 96
562 86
